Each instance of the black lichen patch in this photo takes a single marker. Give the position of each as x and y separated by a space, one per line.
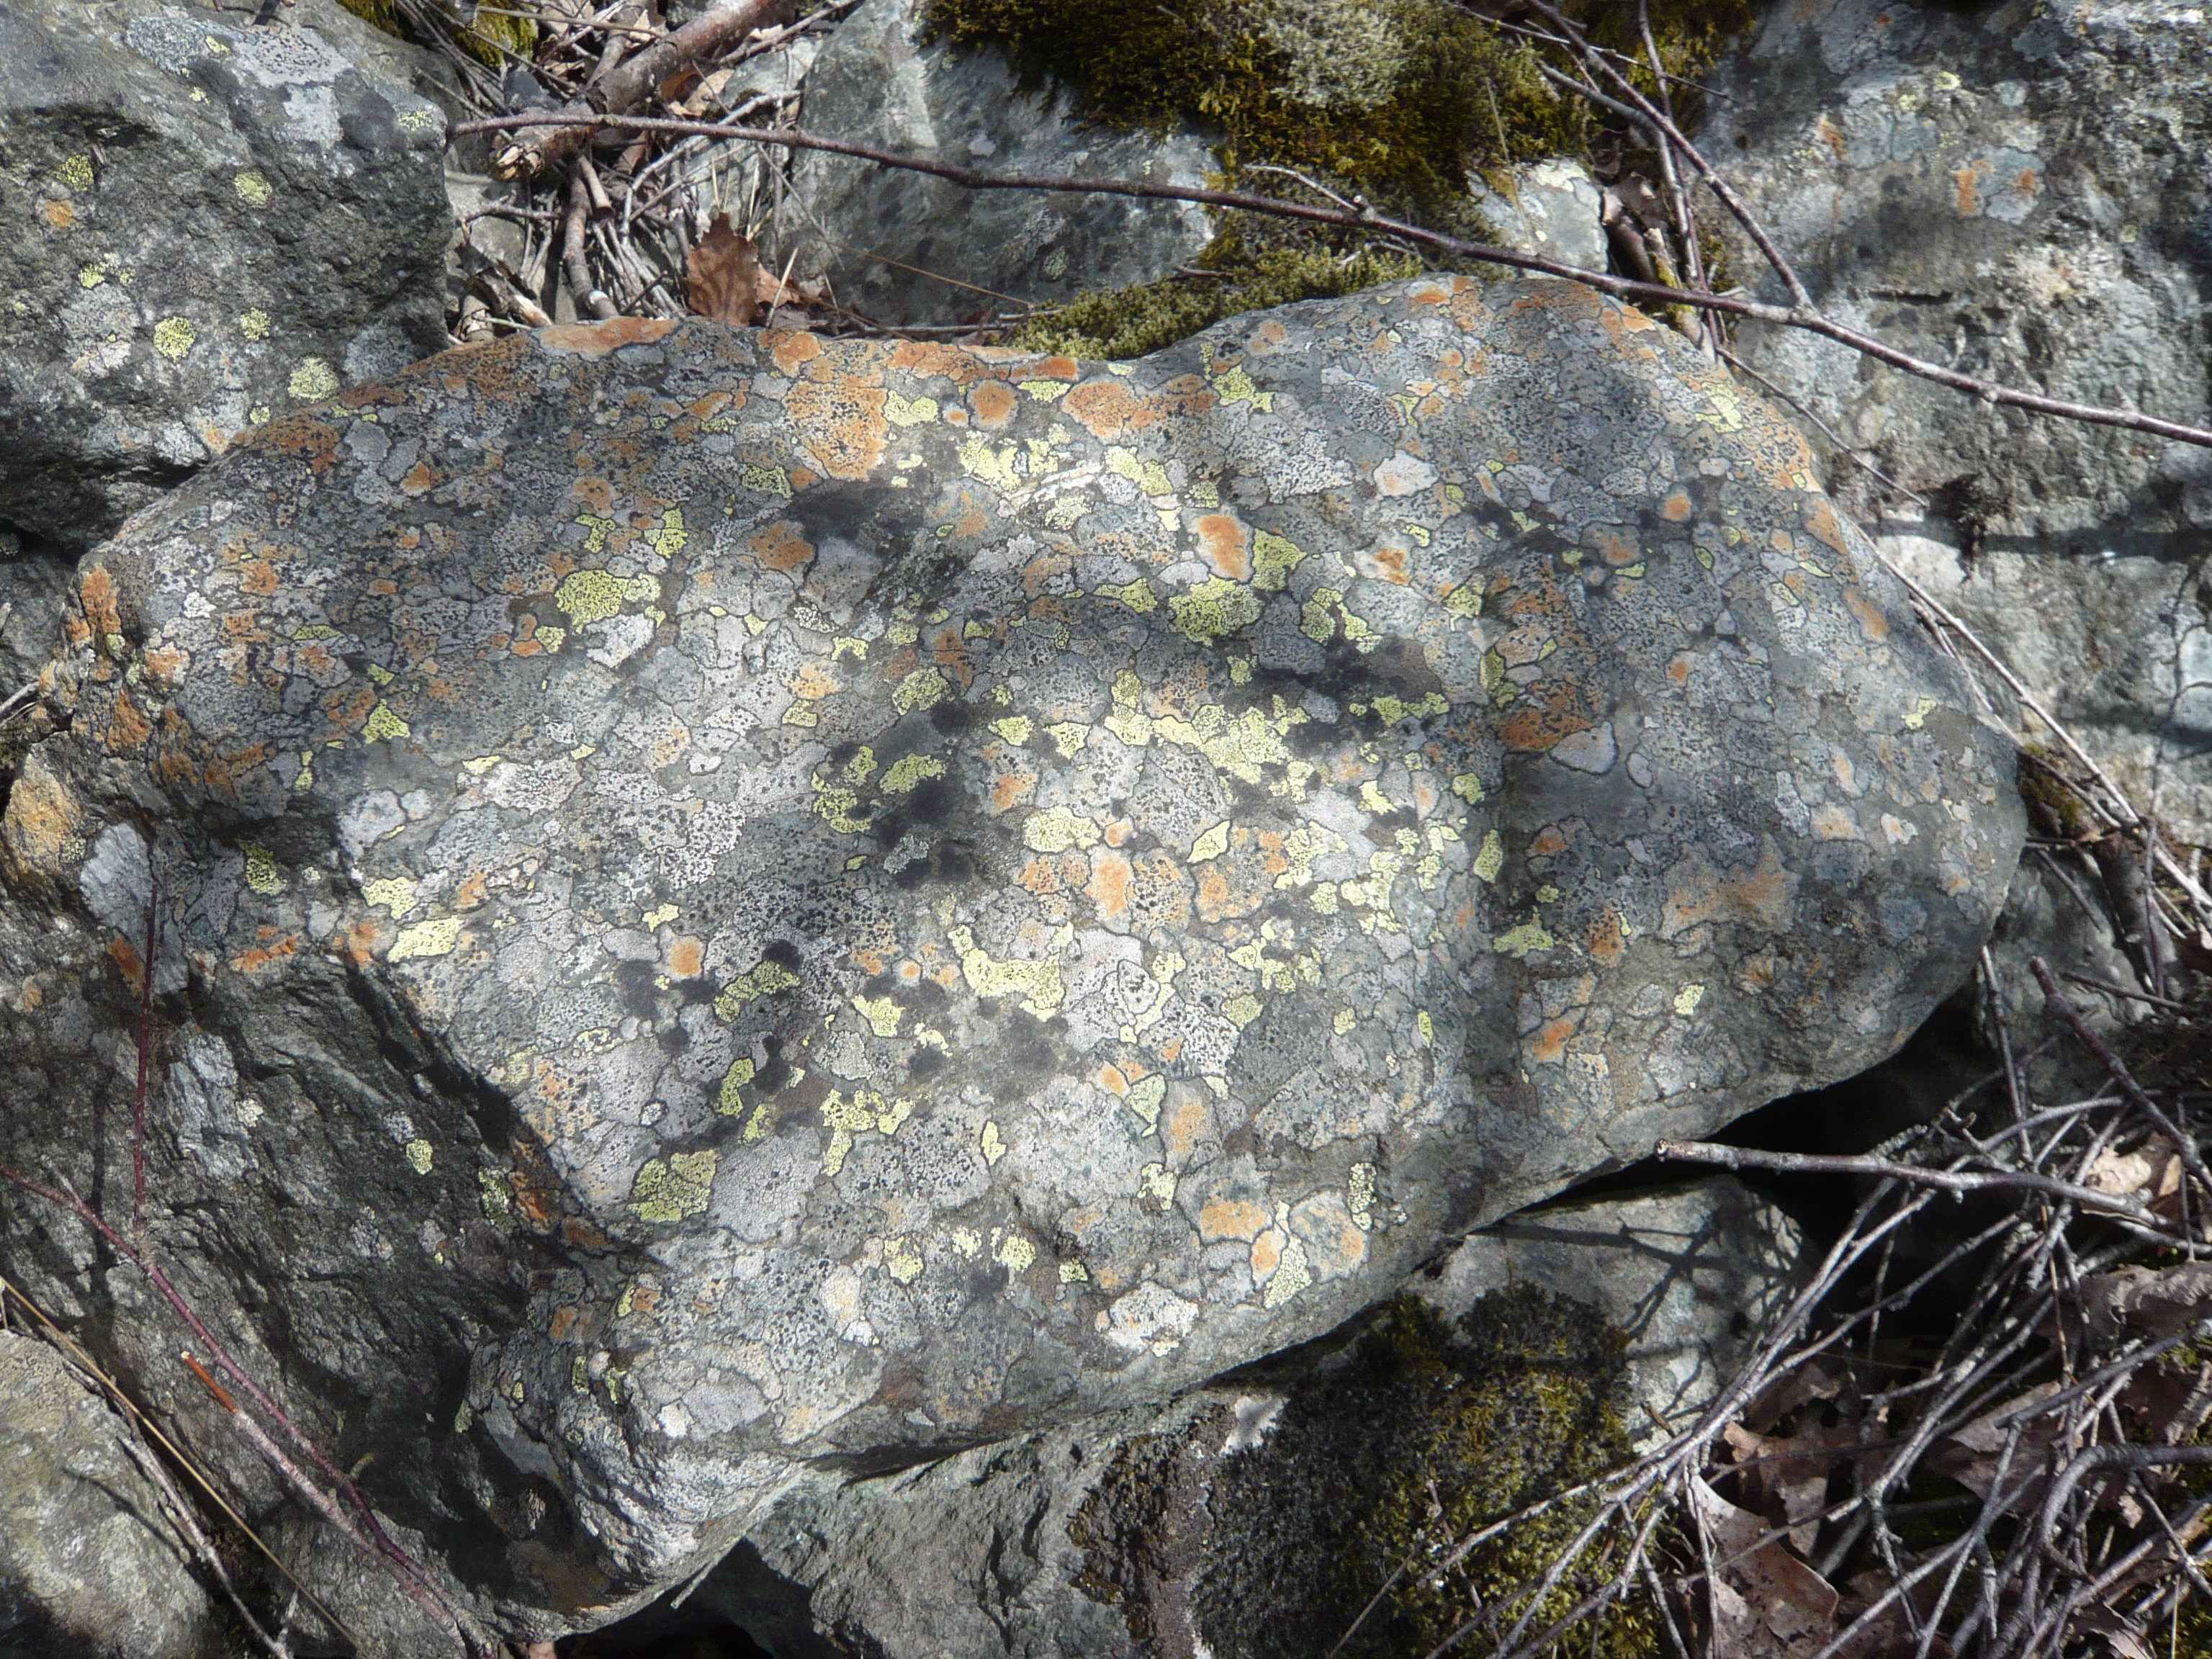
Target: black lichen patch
1422 1432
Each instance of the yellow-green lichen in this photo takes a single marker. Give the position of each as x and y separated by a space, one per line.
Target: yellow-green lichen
173 337
252 187
1036 983
394 894
383 725
590 596
910 770
427 939
262 874
313 380
675 1189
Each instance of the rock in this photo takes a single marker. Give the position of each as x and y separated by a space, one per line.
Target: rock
1689 1275
204 222
2007 188
875 232
38 587
1007 1547
91 1567
777 898
1551 210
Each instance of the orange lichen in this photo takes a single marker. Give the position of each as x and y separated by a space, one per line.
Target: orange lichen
841 422
993 402
780 546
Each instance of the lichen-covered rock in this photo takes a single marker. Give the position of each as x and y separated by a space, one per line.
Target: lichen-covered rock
90 1565
903 893
2014 190
205 221
1091 1541
911 249
1551 209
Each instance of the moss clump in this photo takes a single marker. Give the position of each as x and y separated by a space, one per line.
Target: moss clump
1394 101
1131 322
1427 1432
1392 97
488 37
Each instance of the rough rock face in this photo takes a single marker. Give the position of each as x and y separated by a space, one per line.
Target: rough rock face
1552 210
205 223
2019 191
877 81
89 1564
747 897
1002 1546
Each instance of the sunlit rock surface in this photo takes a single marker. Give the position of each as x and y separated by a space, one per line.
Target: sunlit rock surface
732 897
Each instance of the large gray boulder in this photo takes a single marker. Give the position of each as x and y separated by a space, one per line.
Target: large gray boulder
1011 1548
907 248
91 1567
730 897
207 220
2019 191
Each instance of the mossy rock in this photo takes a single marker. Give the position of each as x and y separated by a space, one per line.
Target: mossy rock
490 37
1134 322
1383 1456
1395 101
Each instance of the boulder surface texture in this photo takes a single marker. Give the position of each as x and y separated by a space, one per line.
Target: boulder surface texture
205 221
911 249
1149 1510
2017 191
745 897
90 1565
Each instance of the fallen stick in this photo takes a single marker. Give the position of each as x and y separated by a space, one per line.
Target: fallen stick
584 123
627 84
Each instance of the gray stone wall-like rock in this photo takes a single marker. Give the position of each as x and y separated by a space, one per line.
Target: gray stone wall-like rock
90 1565
1003 1549
206 222
732 897
887 240
2019 191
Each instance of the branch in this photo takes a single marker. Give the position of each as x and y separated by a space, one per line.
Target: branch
628 84
1950 1180
2055 1002
395 1560
1654 293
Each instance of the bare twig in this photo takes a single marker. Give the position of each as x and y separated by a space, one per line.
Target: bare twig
547 141
1950 1181
145 1053
575 262
1654 293
396 1561
152 1431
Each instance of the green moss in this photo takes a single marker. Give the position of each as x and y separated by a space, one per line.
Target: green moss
483 37
1428 1432
1394 101
1132 322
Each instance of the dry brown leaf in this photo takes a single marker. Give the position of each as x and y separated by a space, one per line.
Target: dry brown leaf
1823 1379
2151 1171
1786 1477
1767 1603
2169 1402
723 280
2146 1301
1971 1456
707 95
